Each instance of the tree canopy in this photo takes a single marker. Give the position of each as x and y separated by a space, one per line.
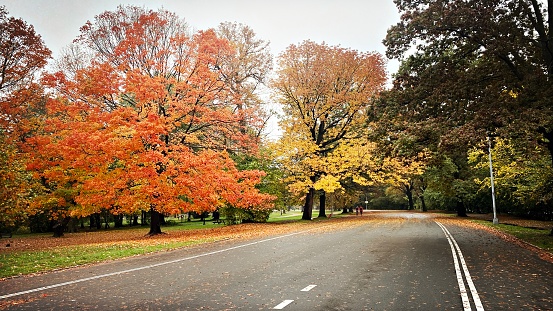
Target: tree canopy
149 124
471 69
325 93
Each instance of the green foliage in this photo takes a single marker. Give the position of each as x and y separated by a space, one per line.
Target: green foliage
469 68
273 181
391 201
233 215
523 179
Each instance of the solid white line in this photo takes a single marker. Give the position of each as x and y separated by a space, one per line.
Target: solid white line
308 288
283 304
148 266
456 251
462 289
472 287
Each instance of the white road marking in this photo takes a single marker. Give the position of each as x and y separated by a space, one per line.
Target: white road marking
308 288
283 304
456 252
34 290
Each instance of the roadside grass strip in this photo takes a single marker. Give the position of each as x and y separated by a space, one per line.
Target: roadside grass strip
39 289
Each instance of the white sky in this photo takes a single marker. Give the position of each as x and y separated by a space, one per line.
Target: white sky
355 24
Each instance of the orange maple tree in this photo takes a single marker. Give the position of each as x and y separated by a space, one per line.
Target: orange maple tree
147 125
22 55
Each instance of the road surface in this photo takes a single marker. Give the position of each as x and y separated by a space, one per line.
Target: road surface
394 261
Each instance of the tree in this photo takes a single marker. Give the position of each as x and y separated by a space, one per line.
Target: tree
22 52
247 72
15 183
522 177
402 173
477 67
325 93
22 55
149 124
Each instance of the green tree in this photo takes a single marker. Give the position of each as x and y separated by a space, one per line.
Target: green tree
471 67
522 177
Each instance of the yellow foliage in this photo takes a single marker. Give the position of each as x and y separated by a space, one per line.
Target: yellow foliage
328 183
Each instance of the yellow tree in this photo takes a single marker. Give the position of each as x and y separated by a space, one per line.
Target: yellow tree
402 172
325 93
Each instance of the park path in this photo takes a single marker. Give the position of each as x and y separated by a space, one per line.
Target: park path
394 261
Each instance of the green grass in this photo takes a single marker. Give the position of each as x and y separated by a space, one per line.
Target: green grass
28 262
296 215
537 237
290 215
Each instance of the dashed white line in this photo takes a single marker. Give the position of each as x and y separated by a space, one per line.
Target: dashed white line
146 267
456 252
283 304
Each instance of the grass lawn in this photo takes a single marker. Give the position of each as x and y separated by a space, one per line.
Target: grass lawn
91 247
534 236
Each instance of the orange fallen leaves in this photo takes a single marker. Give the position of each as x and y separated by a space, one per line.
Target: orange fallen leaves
130 236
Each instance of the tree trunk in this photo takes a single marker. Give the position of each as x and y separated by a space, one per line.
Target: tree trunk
143 221
308 207
155 222
95 221
135 220
59 226
409 194
98 221
118 220
322 204
408 190
423 204
461 210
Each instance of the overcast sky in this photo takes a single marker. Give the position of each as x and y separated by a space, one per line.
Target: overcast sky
355 24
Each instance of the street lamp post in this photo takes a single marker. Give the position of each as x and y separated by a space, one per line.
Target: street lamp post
495 220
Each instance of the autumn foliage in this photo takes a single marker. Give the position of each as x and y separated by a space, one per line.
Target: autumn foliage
148 125
326 94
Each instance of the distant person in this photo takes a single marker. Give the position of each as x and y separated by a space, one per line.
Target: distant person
361 210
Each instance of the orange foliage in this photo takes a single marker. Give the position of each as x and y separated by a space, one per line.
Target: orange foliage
147 125
22 54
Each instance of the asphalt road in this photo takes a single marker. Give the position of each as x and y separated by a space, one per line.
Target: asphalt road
402 261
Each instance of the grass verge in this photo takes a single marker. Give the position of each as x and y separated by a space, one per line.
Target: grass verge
536 237
29 262
24 262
